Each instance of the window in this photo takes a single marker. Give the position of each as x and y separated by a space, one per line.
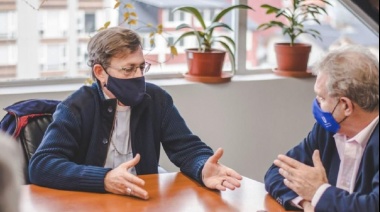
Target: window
7 23
339 27
89 22
51 36
53 23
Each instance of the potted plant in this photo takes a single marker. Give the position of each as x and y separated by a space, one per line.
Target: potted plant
292 58
205 63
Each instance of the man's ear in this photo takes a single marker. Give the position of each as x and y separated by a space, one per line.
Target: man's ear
348 106
99 73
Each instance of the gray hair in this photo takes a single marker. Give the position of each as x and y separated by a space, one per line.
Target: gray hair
111 42
353 72
11 175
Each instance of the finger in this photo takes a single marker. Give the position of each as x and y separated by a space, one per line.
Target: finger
234 174
285 174
136 191
229 185
232 182
217 155
283 165
317 159
289 184
131 163
220 186
290 161
135 180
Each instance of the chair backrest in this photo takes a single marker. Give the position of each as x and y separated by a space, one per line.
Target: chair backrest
27 122
31 135
30 138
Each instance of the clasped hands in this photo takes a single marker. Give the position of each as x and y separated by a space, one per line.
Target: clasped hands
214 176
302 179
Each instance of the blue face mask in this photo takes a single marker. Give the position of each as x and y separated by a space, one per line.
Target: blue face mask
130 92
325 119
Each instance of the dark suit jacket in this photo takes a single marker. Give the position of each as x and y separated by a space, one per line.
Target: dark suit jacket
366 193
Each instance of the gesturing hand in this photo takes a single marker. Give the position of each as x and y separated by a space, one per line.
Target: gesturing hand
120 181
302 179
218 176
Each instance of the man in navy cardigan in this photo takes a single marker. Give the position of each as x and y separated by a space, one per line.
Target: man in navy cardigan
336 167
103 136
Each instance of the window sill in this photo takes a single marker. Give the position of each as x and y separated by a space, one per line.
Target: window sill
69 85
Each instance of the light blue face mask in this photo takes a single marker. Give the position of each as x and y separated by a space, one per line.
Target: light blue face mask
326 119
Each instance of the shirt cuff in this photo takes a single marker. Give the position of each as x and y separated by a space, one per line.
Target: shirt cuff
296 202
317 196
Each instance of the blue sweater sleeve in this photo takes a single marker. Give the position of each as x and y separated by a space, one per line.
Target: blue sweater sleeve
52 165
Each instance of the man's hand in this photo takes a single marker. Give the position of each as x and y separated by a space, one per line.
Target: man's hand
120 181
302 179
307 206
217 176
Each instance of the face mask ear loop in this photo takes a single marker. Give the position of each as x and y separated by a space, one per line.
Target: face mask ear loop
335 107
344 119
105 84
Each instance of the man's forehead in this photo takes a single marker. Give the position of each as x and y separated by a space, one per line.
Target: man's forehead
320 83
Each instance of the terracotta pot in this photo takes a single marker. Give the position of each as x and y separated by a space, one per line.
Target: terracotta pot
292 58
209 63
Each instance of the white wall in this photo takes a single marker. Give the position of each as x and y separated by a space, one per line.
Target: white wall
253 118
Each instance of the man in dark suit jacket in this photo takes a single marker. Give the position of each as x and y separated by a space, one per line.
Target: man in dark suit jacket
336 167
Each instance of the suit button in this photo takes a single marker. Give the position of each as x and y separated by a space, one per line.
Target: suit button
105 141
110 109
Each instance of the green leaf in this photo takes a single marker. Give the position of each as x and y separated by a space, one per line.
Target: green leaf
229 40
222 13
193 11
210 29
270 9
231 56
184 26
188 34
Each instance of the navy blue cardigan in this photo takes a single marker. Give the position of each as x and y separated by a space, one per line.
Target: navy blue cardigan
74 149
366 192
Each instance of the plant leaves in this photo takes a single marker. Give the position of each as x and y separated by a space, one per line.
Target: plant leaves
270 9
132 22
129 5
222 13
117 4
193 11
231 56
173 51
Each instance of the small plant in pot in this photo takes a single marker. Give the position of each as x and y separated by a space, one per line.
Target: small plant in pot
205 63
292 58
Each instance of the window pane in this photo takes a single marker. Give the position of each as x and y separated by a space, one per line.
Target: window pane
89 21
159 56
49 33
339 27
50 30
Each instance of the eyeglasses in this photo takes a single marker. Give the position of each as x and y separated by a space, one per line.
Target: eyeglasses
130 71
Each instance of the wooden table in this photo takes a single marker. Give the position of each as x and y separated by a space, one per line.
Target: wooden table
168 192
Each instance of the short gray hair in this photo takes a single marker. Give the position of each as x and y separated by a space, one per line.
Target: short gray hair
353 72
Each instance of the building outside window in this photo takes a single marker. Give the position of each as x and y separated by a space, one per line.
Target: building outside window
54 32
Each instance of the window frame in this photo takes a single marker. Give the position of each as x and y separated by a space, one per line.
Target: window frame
239 23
